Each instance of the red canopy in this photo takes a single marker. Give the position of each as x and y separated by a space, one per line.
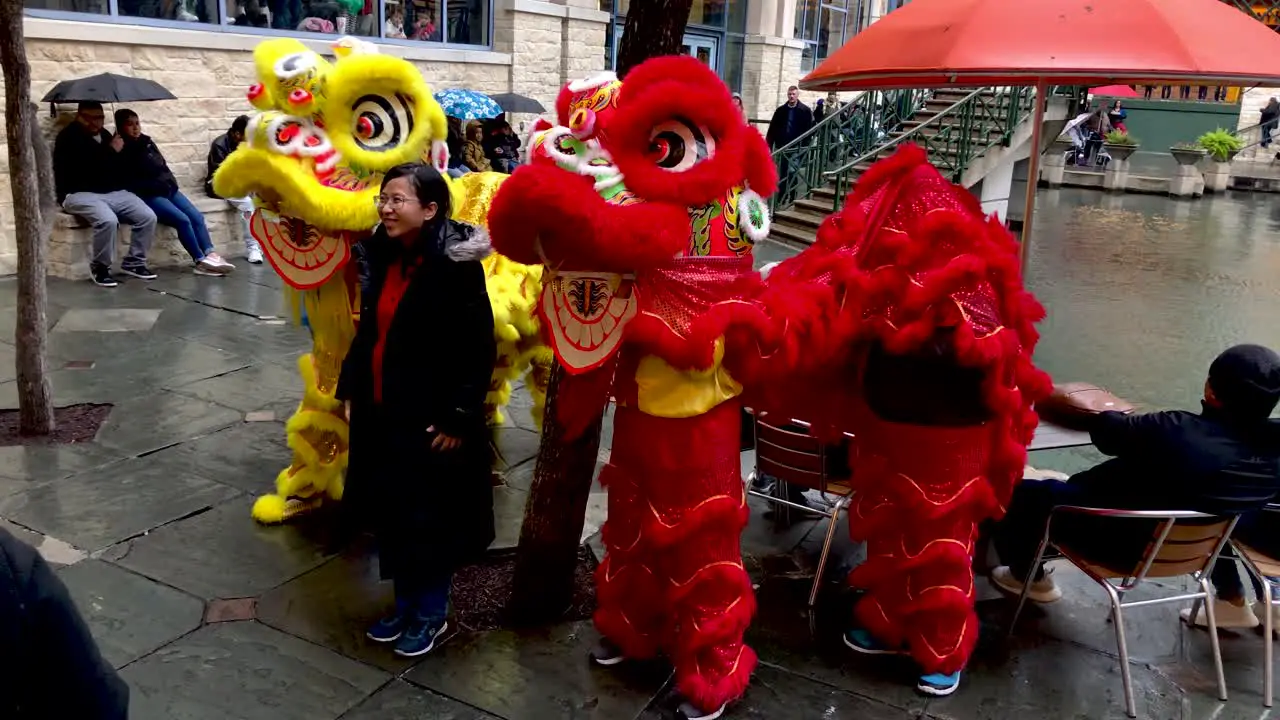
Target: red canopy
935 43
1115 91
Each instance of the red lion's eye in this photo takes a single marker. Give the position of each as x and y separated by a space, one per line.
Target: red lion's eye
659 149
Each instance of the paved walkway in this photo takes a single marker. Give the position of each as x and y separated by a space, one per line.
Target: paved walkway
150 527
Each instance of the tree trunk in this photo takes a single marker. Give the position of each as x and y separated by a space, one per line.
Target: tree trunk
654 28
551 533
31 179
556 511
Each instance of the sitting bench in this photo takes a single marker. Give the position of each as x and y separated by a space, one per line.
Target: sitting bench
70 243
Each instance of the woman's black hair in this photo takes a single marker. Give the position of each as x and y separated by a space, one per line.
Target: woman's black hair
428 184
430 187
122 116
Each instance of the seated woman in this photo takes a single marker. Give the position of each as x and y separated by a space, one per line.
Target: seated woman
415 381
147 175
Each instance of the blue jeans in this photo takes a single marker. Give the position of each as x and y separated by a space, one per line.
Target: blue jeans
177 212
423 599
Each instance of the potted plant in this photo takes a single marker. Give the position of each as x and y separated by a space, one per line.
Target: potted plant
1222 145
1120 144
1187 153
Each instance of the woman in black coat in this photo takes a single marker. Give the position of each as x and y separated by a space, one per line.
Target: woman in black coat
414 382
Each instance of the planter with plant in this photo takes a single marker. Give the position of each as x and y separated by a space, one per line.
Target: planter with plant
1187 153
1221 145
1120 145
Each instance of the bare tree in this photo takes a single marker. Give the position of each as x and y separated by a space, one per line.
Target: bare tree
654 28
31 180
554 516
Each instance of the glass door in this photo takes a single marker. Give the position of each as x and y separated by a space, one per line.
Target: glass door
705 48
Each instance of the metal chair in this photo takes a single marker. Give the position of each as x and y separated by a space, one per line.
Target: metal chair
1184 543
795 457
1263 567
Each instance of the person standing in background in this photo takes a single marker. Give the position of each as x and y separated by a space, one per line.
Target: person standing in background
1270 116
791 120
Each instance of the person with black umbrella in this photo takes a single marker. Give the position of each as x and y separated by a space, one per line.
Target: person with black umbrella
90 180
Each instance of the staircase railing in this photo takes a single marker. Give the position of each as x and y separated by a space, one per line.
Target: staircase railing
1251 139
953 136
850 131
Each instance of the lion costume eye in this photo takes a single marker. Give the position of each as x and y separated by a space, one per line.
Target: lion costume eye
678 145
382 123
291 66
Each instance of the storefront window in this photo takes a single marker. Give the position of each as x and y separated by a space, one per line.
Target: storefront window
735 47
825 26
458 22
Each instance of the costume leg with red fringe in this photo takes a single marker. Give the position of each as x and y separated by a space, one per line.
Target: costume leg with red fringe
920 493
672 578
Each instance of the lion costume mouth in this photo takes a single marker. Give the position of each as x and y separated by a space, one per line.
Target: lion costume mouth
303 254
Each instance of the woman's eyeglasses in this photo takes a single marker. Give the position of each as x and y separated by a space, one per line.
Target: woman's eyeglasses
395 202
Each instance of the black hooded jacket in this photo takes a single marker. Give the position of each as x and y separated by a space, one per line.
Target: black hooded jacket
50 668
146 174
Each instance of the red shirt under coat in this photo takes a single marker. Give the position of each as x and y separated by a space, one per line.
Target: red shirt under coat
393 289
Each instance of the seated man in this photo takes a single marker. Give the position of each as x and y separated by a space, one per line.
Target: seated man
90 184
1259 530
221 147
1225 460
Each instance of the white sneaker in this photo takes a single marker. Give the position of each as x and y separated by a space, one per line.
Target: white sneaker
689 711
1042 591
1226 614
1259 609
254 256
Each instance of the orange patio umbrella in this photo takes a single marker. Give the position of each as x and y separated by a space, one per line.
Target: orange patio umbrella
941 43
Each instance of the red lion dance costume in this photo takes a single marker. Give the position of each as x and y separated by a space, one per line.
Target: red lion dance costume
643 205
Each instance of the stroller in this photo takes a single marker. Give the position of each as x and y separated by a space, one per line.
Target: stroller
1080 137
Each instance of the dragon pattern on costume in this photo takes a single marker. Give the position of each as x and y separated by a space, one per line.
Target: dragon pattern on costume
644 202
313 158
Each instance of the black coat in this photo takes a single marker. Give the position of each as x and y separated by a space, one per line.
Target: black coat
50 668
788 123
219 150
145 172
431 511
84 164
1184 461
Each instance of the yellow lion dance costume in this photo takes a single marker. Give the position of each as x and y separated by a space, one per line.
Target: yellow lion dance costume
313 159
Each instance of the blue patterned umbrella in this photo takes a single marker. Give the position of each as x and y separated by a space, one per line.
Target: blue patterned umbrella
467 104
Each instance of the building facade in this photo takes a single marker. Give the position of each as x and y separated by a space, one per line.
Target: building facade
201 50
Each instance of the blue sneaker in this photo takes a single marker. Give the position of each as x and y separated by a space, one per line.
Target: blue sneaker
938 684
388 629
860 640
420 637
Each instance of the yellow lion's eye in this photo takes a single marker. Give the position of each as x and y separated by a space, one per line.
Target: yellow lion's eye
382 123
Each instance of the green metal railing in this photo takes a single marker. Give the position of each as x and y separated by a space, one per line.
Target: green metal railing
862 124
953 136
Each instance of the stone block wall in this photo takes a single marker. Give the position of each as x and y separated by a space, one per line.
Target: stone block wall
209 72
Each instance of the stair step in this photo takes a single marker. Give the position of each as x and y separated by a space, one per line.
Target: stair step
800 219
790 234
819 206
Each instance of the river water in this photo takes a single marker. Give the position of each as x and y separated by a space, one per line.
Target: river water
1143 291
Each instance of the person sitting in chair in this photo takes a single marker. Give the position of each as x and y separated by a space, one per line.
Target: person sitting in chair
1223 461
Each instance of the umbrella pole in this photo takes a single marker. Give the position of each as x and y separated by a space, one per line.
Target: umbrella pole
1033 174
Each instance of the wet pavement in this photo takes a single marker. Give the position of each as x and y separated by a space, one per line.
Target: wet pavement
212 617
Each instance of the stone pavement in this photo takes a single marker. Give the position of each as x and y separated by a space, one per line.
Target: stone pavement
212 617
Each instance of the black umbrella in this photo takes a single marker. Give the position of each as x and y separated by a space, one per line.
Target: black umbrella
513 103
107 88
